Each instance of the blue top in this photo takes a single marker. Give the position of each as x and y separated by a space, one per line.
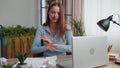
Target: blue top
62 46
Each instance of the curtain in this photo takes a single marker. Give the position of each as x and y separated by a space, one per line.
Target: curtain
78 12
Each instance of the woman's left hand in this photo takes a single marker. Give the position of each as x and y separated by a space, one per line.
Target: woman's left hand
50 47
46 39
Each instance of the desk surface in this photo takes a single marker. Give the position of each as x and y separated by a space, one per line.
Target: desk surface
111 65
65 60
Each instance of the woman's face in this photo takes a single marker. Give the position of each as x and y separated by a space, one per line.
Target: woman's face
54 14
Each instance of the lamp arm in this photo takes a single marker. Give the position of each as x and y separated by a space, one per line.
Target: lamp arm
115 22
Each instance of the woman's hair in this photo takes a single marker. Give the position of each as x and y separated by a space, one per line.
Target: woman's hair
61 20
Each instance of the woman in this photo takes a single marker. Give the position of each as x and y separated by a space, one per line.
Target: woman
55 36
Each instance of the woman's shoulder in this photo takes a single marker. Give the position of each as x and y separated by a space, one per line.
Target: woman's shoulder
68 27
40 27
68 30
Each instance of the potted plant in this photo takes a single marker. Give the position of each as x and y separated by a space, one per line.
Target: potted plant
7 66
49 2
17 39
22 57
77 27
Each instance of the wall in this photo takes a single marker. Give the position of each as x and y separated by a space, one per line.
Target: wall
96 10
19 12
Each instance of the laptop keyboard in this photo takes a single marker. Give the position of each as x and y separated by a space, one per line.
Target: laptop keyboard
65 64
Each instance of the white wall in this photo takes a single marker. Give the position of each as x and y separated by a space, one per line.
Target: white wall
96 10
19 12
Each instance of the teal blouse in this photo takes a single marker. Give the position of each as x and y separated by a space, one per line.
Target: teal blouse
62 46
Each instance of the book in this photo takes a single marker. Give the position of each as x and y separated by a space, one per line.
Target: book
113 56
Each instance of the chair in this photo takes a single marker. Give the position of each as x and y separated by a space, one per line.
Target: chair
69 53
39 54
1 41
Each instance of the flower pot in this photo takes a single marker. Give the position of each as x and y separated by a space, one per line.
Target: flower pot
22 66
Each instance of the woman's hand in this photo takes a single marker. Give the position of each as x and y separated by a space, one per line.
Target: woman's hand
46 39
50 47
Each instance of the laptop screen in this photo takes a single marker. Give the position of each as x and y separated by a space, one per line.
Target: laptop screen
89 51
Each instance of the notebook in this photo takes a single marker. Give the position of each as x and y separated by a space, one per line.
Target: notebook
90 51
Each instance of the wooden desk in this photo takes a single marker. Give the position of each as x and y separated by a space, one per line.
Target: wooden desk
59 58
110 65
65 58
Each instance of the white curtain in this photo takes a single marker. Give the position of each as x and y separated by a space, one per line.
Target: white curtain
77 9
78 12
95 10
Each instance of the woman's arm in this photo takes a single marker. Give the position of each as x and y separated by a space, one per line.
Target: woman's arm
68 46
37 44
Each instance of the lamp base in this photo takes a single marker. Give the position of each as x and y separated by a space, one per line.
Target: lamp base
117 61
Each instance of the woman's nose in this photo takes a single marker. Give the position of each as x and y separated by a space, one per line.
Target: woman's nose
55 14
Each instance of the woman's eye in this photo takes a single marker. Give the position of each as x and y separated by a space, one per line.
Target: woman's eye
52 11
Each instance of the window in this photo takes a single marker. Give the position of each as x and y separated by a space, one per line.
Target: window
68 7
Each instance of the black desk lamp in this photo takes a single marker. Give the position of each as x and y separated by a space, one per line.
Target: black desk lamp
105 23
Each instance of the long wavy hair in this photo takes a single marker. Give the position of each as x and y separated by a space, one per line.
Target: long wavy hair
61 21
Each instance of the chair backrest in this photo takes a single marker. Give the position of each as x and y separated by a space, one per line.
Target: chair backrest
0 31
1 44
39 54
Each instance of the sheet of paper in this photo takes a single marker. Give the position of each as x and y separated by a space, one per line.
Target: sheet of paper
39 62
35 62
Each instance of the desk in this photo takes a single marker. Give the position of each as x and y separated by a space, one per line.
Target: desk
69 57
111 65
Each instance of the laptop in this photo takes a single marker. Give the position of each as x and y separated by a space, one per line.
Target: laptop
90 51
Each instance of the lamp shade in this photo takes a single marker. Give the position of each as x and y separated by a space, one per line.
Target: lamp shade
105 23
